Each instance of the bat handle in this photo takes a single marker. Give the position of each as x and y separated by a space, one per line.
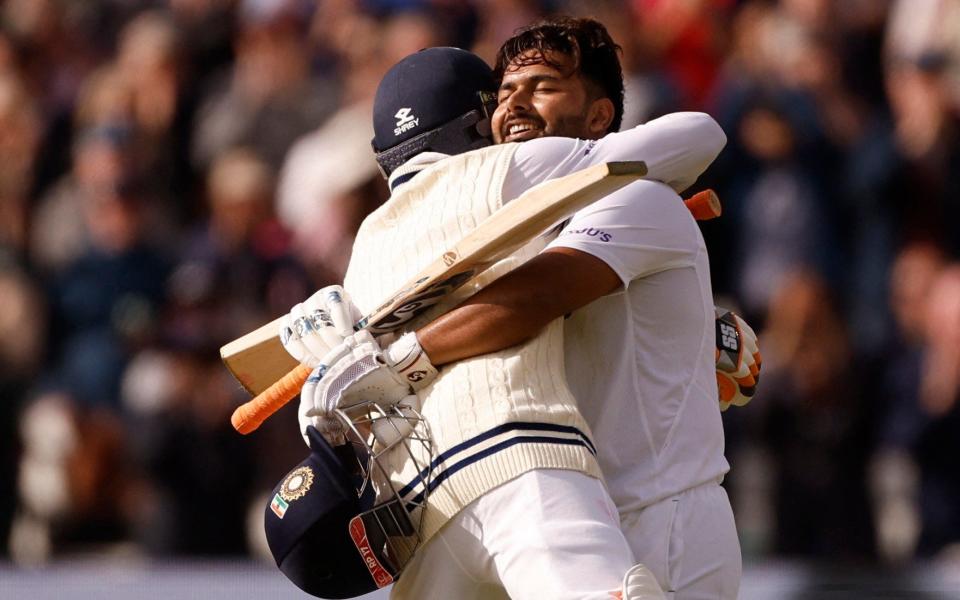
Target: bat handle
248 416
704 205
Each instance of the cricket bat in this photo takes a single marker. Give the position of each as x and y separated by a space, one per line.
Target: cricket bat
263 367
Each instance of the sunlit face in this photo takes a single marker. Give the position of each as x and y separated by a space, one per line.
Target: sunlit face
538 100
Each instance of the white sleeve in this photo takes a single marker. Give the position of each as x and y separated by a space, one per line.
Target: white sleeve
677 148
641 229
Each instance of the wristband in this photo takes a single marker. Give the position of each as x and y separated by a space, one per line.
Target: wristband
408 359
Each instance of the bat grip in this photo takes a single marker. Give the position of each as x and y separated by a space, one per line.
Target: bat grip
704 205
250 415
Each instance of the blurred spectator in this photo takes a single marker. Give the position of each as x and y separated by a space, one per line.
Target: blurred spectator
268 99
781 219
924 382
918 28
329 183
927 138
774 139
894 476
22 332
196 472
687 42
938 447
234 271
206 30
150 64
106 299
22 132
817 426
73 482
500 19
59 232
54 47
649 91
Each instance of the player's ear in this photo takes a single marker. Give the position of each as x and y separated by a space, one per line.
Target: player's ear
600 116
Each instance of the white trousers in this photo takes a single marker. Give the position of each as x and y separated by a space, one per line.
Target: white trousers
689 542
546 534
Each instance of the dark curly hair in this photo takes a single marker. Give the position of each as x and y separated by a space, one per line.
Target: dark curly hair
585 40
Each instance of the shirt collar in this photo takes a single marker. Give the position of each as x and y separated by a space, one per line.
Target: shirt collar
409 169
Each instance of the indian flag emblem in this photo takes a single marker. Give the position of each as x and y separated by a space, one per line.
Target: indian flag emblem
279 506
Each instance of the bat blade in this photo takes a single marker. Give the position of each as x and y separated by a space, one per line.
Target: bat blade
257 360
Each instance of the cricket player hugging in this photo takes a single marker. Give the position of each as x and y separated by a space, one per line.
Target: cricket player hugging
496 416
515 506
500 422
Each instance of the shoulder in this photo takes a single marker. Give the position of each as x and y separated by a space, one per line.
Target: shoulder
542 159
646 203
549 153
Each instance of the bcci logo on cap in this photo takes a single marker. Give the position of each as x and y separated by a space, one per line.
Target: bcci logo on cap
405 121
295 486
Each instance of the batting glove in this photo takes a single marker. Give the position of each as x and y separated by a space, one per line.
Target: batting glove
738 360
314 327
358 371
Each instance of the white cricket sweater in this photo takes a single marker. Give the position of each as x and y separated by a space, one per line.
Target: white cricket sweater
492 417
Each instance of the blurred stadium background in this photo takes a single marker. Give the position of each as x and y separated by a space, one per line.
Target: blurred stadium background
176 172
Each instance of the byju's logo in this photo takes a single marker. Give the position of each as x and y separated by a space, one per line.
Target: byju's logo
405 121
599 234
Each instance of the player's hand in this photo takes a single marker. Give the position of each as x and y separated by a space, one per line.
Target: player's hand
314 327
358 370
329 426
738 359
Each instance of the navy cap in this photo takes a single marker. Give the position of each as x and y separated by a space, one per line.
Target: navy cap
426 90
307 524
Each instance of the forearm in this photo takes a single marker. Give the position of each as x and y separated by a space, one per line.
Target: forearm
479 327
516 307
677 148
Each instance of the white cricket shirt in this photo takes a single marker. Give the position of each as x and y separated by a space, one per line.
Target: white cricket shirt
641 361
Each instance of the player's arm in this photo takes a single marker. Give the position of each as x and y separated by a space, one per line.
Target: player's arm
637 230
515 307
677 149
680 146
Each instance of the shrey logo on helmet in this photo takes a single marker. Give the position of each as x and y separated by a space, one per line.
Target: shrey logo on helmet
405 121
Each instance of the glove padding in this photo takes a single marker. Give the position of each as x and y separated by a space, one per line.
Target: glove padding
314 327
388 430
358 371
738 360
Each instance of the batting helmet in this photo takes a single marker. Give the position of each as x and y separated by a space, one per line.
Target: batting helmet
437 99
335 524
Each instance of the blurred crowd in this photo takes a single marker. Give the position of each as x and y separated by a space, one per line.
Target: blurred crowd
174 173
